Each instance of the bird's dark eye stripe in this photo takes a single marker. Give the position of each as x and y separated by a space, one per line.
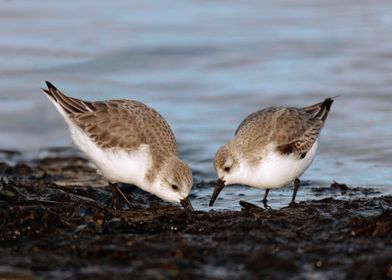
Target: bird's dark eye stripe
227 168
174 187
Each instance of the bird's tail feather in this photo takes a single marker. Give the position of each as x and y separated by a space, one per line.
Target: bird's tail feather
320 110
68 104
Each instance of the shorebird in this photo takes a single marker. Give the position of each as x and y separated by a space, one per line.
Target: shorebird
129 143
271 149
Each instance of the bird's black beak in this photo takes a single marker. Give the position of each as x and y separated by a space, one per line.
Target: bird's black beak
186 204
218 188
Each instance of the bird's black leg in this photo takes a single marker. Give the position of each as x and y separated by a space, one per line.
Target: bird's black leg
118 193
297 182
115 199
265 198
249 206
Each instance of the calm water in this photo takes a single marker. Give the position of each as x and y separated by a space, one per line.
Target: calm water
205 65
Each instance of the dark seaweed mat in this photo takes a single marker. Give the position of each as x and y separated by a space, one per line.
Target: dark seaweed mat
55 232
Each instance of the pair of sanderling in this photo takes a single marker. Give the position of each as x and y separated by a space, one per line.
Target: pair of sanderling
132 143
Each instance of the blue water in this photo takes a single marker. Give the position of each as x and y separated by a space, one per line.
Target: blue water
205 65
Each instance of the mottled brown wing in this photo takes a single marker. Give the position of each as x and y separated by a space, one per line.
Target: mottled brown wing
292 130
118 123
255 132
126 124
320 110
256 120
301 127
300 141
247 120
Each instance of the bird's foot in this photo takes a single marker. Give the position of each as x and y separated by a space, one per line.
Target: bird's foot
114 202
248 206
265 204
117 197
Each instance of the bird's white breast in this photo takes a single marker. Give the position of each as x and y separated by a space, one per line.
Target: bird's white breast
116 165
276 170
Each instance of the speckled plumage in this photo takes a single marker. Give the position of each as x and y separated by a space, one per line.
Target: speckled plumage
271 148
290 130
128 141
121 124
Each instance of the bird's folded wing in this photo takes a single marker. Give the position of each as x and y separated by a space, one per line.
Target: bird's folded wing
302 127
109 127
259 118
300 142
290 130
122 124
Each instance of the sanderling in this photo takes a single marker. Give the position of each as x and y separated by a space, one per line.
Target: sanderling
271 148
129 143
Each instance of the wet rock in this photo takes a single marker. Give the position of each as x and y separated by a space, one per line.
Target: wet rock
263 264
337 186
20 169
3 167
15 273
380 225
378 267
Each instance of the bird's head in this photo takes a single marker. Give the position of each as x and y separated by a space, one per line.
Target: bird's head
227 167
176 182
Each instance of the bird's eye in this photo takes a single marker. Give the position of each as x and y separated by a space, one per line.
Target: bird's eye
227 169
174 187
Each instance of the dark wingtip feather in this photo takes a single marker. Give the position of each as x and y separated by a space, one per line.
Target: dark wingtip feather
320 110
47 92
50 85
327 103
325 107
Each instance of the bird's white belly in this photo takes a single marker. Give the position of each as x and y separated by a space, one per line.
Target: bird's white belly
276 170
116 165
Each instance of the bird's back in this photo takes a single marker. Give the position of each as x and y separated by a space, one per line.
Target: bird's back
117 125
125 124
290 130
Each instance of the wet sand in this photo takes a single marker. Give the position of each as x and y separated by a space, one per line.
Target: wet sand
55 224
